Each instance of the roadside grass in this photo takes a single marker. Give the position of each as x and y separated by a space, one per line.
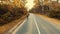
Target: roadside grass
6 27
53 20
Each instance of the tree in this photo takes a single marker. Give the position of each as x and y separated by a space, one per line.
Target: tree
57 1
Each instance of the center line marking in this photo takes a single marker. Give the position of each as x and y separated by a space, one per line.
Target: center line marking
36 24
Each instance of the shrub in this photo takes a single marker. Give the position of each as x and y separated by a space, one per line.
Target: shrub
9 13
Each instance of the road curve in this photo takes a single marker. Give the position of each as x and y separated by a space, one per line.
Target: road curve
37 25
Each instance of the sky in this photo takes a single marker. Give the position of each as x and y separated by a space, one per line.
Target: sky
29 5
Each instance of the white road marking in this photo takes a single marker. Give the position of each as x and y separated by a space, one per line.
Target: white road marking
36 24
14 32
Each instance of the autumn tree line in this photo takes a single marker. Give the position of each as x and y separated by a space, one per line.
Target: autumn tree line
9 12
51 10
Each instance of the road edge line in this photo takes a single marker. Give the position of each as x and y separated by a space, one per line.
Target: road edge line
19 27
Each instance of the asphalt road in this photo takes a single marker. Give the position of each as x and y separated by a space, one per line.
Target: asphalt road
37 25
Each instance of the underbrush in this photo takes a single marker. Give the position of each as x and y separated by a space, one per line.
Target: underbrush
9 13
51 11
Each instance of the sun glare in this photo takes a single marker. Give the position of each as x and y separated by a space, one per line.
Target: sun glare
29 5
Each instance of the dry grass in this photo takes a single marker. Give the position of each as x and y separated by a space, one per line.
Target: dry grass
52 20
8 26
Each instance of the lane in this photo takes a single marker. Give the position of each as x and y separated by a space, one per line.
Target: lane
46 27
37 25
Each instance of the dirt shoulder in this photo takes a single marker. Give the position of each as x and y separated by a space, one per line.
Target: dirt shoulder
8 26
52 20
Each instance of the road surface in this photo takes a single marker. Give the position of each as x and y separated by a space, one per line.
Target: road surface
37 25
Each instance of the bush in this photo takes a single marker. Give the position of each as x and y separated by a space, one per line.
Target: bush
3 9
9 13
55 14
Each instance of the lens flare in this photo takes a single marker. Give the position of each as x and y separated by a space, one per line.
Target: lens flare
29 5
